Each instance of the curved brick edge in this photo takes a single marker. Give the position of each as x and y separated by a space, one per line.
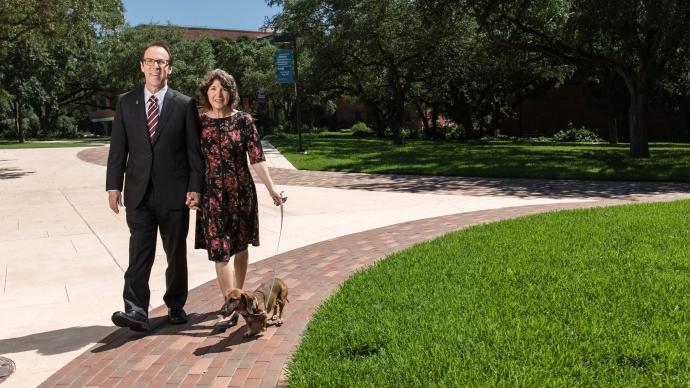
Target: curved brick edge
195 355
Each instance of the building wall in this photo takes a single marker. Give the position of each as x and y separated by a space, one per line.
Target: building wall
544 115
348 113
196 32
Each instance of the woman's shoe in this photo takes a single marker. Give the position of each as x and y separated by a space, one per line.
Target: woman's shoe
227 323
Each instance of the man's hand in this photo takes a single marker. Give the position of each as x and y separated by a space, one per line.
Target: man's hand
115 201
193 200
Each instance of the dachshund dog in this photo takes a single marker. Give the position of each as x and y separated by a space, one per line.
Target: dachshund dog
254 306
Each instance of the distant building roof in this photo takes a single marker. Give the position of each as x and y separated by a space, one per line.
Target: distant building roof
195 32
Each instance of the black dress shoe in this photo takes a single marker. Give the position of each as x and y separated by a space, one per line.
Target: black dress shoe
130 319
177 316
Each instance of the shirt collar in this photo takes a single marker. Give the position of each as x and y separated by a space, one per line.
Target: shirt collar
160 95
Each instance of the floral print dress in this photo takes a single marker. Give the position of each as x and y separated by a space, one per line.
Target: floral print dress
229 218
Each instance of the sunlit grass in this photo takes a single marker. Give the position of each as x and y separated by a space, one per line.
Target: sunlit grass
596 297
88 142
669 162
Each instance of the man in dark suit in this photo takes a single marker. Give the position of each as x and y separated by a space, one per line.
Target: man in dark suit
155 145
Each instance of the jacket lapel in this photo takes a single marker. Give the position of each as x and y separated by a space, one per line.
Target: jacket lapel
168 106
140 114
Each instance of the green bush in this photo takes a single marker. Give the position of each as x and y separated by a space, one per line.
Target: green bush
66 127
360 129
579 135
410 133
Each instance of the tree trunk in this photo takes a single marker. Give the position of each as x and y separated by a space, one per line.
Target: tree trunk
395 123
379 120
48 119
18 120
422 116
611 111
639 140
397 132
638 87
613 128
434 123
461 112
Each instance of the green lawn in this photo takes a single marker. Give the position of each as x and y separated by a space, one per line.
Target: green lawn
596 297
86 142
669 162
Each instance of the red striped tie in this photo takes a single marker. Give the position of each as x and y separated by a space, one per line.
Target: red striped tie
152 116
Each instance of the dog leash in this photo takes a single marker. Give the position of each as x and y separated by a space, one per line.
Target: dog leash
283 198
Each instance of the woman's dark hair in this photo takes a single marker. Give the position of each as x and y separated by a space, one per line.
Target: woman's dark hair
226 80
157 43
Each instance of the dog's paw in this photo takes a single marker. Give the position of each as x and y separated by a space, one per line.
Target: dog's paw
279 322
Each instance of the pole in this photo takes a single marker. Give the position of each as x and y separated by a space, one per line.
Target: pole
299 126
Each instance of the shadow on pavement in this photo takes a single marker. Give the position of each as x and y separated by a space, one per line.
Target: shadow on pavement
545 188
196 327
13 173
55 341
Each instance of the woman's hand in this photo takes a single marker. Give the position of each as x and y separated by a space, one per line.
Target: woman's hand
277 199
262 171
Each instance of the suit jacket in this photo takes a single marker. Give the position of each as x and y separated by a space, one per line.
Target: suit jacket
172 161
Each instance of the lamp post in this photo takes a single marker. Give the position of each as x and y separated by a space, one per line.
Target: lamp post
285 78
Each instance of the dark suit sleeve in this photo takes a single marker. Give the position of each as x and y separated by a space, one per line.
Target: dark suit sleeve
117 157
192 131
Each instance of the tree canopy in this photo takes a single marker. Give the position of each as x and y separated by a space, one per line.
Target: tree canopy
635 39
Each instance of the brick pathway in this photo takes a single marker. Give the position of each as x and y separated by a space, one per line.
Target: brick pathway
454 185
195 355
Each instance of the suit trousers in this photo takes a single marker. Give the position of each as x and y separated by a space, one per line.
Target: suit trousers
143 222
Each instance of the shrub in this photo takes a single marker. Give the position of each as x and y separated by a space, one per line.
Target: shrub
410 133
531 139
66 127
580 135
360 129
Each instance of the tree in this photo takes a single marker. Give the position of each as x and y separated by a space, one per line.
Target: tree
22 88
375 50
635 39
191 58
44 21
476 82
48 54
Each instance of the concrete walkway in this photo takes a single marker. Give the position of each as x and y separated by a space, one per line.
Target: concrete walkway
63 254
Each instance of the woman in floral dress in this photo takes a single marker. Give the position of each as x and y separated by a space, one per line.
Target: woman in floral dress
228 220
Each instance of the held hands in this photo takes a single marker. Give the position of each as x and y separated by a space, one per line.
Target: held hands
115 201
193 201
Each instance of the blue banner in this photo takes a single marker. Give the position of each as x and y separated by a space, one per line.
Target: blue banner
285 73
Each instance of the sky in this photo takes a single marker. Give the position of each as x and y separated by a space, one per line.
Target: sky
225 14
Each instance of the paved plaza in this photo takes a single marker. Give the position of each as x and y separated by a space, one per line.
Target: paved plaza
63 254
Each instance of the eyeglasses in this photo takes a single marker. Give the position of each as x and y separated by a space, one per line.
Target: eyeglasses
160 62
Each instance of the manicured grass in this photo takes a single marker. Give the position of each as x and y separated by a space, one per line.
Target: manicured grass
669 162
596 297
87 142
